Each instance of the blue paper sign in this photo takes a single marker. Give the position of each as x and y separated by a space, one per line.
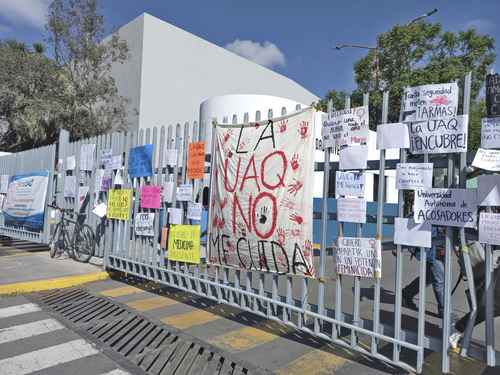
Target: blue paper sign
140 161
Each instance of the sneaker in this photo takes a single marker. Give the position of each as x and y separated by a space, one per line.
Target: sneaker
454 339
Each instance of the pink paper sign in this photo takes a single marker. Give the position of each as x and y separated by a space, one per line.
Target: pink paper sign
151 196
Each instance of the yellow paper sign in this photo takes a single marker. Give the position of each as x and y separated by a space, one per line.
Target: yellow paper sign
119 203
184 243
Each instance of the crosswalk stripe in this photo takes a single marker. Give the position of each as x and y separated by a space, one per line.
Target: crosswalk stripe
44 358
24 331
116 372
7 312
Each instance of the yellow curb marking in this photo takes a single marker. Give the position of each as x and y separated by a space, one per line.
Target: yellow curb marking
243 339
120 291
190 319
151 303
314 362
48 284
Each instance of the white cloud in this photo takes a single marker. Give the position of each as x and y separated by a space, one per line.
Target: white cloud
25 12
481 25
266 54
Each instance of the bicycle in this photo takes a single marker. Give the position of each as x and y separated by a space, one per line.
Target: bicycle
79 245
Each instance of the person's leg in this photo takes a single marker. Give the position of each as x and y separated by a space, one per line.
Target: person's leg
412 289
437 271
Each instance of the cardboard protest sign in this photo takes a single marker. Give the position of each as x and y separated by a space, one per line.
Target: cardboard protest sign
493 95
490 132
489 228
87 152
446 207
352 210
488 190
70 187
144 224
438 136
140 161
413 176
392 136
119 203
353 157
184 243
151 196
184 192
70 163
430 101
261 210
488 160
196 160
409 233
194 211
4 183
346 127
358 257
350 184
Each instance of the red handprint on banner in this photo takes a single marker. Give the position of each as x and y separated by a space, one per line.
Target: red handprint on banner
307 248
304 129
295 162
294 187
283 125
223 203
281 236
287 203
296 218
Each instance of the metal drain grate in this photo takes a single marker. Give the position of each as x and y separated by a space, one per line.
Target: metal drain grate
146 344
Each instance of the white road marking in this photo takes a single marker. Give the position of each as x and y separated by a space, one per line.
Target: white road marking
116 372
7 312
41 359
24 331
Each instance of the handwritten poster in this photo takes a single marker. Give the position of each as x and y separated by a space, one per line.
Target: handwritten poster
119 203
493 95
144 224
184 192
489 228
175 215
70 163
196 160
151 196
168 191
488 190
184 243
140 161
447 207
350 184
170 157
392 136
430 101
353 157
194 211
409 233
116 162
106 156
490 132
346 127
70 187
262 196
412 176
488 160
358 257
437 136
352 210
87 152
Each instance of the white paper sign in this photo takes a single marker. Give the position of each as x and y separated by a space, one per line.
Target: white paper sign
144 224
99 175
488 160
184 192
87 152
353 157
70 187
430 101
171 157
447 207
413 176
437 136
4 183
106 156
116 162
168 191
358 257
409 233
392 136
490 132
100 210
70 163
489 228
346 127
488 190
119 177
352 210
175 215
194 211
82 194
350 184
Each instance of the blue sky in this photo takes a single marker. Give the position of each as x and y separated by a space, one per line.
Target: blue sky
292 37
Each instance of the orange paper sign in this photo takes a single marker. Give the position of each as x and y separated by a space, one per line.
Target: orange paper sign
196 160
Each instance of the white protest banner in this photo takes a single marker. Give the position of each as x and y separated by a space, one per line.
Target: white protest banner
70 163
430 101
353 157
413 176
184 192
490 132
356 256
168 191
438 136
409 233
350 184
82 194
352 210
346 127
106 157
170 157
488 160
87 152
4 183
489 228
261 216
100 210
194 211
144 224
174 215
392 136
446 207
488 190
70 187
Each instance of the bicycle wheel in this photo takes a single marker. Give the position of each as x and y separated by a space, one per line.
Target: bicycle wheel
60 242
84 243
